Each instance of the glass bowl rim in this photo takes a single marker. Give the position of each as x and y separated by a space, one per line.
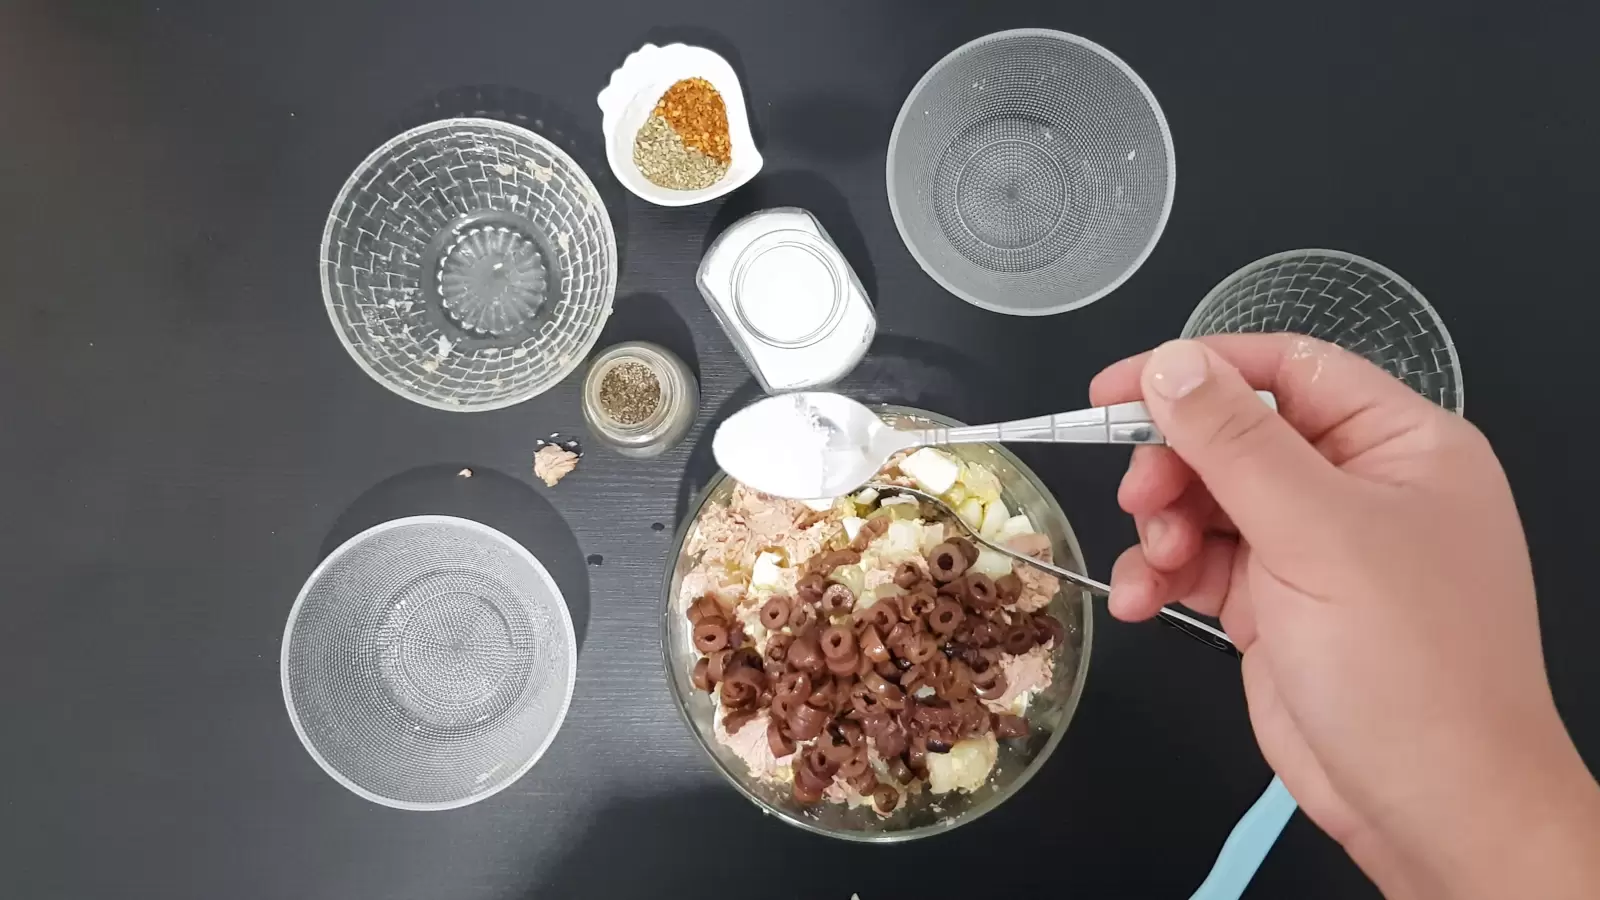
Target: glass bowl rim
1191 326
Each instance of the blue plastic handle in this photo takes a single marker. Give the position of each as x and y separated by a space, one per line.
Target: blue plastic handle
1247 844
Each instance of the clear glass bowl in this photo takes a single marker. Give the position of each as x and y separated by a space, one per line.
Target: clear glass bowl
927 814
1346 300
468 264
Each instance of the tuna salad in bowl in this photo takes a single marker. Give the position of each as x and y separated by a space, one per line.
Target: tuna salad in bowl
857 666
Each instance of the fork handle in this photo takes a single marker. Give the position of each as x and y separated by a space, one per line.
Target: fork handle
1200 631
1120 423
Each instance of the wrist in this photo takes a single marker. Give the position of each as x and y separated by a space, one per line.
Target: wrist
1530 829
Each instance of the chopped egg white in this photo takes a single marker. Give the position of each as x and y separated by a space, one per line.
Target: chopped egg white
852 526
1016 526
995 515
981 482
965 767
764 574
866 496
852 577
992 563
903 539
756 631
1019 706
933 471
971 512
868 598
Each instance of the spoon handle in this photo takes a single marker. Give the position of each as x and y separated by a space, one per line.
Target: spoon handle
1121 423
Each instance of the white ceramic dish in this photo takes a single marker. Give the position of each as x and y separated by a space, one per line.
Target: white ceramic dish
631 95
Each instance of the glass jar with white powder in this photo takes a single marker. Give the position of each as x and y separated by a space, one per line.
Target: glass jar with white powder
788 298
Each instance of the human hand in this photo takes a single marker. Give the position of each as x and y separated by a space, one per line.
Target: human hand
1362 549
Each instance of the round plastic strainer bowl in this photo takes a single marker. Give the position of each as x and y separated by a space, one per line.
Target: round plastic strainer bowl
925 815
1030 172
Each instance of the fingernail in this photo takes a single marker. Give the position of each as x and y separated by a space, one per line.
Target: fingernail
1155 528
1177 368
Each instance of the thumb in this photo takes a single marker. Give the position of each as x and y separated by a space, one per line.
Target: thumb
1269 480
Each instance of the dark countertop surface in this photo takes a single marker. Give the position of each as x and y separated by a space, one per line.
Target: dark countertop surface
183 437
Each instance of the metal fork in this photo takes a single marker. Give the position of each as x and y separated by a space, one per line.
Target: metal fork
1200 631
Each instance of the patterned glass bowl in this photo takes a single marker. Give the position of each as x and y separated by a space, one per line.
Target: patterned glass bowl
925 815
428 662
468 264
1345 300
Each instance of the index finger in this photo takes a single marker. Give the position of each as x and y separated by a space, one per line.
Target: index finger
1318 386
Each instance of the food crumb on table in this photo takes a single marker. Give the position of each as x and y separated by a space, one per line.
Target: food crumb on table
553 463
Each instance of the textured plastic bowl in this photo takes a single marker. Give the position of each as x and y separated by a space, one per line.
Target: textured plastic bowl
428 662
1030 172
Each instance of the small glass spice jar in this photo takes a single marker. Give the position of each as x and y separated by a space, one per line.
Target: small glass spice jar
640 399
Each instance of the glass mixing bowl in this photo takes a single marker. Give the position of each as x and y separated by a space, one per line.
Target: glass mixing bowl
468 264
926 814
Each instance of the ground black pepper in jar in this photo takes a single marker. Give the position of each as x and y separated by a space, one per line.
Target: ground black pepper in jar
629 393
639 398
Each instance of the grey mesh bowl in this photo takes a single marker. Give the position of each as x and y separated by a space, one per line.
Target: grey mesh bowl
1030 172
1346 300
428 662
468 264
